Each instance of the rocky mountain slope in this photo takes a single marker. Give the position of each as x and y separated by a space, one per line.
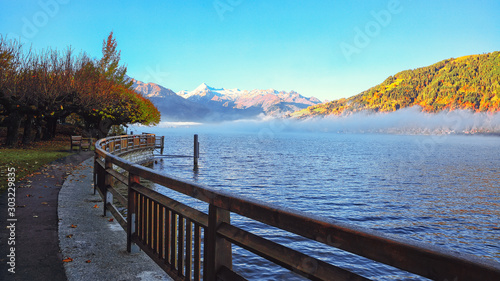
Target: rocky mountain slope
171 106
206 103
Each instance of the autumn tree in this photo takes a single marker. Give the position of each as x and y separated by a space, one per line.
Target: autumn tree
109 65
13 90
40 89
121 104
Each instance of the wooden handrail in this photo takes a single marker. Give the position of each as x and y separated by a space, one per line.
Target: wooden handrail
170 231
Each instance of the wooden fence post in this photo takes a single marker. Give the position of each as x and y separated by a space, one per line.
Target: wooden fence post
131 213
108 182
217 250
96 172
99 177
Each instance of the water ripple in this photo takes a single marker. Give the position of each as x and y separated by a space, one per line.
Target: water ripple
450 197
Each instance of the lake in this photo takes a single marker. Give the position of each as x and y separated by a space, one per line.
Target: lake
438 189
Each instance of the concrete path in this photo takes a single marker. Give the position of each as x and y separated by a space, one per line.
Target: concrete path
95 246
29 244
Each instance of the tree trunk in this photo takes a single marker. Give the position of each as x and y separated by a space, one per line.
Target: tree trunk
54 127
28 127
38 132
103 129
13 125
50 128
38 129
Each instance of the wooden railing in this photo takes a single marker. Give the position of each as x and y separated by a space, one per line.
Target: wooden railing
191 245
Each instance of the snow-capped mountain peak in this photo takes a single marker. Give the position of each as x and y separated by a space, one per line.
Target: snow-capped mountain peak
202 87
269 99
205 92
206 103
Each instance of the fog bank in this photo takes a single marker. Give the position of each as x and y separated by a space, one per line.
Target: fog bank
404 121
408 121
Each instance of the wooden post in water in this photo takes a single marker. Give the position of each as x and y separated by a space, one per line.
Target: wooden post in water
196 153
162 144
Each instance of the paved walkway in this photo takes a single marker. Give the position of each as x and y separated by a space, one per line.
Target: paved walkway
34 237
96 245
48 204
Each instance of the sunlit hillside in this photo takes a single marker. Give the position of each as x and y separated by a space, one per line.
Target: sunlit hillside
470 82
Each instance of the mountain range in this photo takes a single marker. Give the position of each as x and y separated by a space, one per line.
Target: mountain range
206 103
171 106
469 82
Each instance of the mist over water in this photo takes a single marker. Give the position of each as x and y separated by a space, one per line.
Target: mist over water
404 121
410 121
407 173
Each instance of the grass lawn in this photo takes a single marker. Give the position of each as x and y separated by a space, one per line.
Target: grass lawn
26 160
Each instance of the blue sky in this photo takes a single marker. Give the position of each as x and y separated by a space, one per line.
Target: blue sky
326 49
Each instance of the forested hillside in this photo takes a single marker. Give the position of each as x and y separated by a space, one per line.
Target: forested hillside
470 82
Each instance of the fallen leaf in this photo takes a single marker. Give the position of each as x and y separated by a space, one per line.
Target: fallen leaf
73 226
67 260
88 261
45 203
111 219
95 206
29 195
69 236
